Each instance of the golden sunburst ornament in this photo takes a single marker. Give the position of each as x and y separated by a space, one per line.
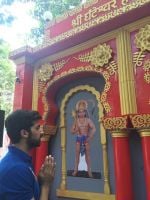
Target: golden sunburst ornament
45 72
100 55
142 38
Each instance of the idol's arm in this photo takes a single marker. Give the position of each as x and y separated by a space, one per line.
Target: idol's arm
74 128
92 129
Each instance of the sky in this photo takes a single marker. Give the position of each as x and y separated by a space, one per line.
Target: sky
16 33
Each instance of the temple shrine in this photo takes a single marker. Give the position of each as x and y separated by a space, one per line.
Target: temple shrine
99 54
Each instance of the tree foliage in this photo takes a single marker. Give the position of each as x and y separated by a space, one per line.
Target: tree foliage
7 78
55 8
5 17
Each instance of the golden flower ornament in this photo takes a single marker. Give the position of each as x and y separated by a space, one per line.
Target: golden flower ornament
45 72
147 77
142 38
146 66
100 55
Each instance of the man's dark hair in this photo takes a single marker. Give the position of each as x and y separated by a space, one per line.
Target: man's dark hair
19 120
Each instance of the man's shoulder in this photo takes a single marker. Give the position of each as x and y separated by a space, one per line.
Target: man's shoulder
9 166
17 173
10 161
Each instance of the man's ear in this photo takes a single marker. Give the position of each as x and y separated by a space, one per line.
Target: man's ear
24 133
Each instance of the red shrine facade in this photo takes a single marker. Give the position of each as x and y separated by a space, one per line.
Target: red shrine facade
102 44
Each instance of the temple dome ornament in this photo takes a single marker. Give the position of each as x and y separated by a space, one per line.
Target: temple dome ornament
142 38
45 72
100 55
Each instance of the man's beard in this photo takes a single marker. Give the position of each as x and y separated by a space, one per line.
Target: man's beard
32 142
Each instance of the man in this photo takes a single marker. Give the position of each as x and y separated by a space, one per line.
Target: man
84 128
17 179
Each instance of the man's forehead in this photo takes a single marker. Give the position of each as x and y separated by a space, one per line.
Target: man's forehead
36 123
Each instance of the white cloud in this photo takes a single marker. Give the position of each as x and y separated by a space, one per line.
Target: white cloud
16 34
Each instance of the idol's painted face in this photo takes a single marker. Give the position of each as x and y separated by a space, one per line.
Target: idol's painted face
34 138
81 113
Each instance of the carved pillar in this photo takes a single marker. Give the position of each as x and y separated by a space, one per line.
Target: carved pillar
63 150
145 138
124 187
142 124
105 160
24 83
49 112
126 74
42 150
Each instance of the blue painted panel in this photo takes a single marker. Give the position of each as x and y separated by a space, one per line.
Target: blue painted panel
81 184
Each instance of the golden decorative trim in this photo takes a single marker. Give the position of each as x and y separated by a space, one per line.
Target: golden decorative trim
142 38
100 55
45 72
83 195
126 74
112 68
63 150
41 85
35 91
142 42
115 123
47 132
108 36
138 58
93 22
144 132
106 168
105 7
119 134
93 42
59 65
84 57
78 48
140 121
83 69
46 108
124 2
146 68
63 137
147 77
